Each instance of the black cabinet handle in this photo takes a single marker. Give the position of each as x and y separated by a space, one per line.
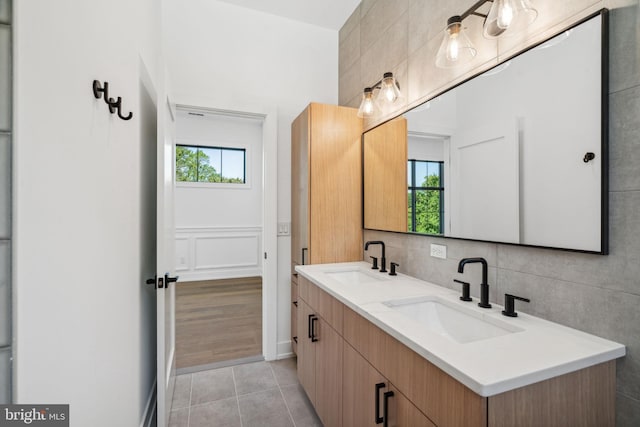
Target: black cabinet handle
295 303
313 329
385 410
303 251
295 339
309 326
378 418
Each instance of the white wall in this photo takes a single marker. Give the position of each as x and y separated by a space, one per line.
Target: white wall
227 55
210 205
219 226
84 320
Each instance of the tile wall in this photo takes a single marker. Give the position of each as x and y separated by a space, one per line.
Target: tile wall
597 294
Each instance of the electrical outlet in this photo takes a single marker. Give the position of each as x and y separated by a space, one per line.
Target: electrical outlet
439 251
284 228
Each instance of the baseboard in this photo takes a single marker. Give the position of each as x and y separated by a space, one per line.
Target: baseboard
188 276
284 350
148 417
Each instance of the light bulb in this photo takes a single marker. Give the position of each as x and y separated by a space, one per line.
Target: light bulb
453 48
508 17
505 15
389 91
389 94
366 106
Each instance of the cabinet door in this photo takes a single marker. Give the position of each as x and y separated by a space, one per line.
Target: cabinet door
300 188
328 402
294 317
306 352
385 176
335 180
364 397
360 393
402 413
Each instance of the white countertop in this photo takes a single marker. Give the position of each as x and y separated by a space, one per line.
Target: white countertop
539 350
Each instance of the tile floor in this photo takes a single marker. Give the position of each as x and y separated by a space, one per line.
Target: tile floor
264 394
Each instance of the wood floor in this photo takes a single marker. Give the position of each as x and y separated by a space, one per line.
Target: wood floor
218 320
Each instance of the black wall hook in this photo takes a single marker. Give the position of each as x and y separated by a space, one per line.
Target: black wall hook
588 157
100 90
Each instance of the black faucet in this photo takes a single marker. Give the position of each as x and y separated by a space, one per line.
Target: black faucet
484 286
383 260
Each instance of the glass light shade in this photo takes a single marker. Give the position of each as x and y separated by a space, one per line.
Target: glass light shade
366 106
508 17
456 48
389 91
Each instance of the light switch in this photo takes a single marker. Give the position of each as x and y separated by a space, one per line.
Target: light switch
284 228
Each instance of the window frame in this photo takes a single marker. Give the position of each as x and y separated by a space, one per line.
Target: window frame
198 144
412 190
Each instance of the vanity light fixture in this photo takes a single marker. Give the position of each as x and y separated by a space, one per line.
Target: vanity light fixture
388 92
456 48
504 18
508 17
366 106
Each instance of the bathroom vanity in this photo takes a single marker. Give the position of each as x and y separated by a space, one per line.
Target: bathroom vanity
397 351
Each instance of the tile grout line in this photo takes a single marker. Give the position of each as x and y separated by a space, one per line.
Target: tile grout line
235 389
286 405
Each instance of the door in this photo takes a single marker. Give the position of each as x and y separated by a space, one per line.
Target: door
486 199
165 259
306 350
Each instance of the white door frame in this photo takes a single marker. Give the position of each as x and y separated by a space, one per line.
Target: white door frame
269 208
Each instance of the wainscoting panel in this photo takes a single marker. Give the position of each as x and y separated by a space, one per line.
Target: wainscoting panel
207 253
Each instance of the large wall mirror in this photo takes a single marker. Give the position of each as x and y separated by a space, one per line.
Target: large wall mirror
515 155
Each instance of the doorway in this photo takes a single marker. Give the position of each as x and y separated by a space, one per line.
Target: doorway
221 250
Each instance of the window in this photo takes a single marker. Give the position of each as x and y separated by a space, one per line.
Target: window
211 164
426 196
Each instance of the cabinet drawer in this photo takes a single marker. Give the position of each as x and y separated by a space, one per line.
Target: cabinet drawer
326 306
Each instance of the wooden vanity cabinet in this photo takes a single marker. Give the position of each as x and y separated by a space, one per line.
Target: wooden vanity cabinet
326 196
342 357
582 398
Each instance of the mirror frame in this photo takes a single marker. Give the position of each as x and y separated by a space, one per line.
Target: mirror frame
604 137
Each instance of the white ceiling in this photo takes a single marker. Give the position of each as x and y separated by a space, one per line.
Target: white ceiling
324 13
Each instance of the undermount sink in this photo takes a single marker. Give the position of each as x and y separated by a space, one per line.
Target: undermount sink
355 276
450 320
